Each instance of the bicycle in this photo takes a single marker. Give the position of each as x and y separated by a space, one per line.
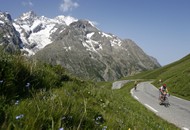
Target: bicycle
164 100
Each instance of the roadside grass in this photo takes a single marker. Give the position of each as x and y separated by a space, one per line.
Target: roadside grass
130 114
88 107
175 75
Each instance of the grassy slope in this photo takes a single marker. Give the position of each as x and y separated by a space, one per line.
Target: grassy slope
57 100
175 75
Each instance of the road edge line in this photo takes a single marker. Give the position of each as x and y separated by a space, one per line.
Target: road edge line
184 128
136 97
151 108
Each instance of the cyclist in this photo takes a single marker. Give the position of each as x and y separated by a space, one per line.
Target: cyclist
163 92
135 85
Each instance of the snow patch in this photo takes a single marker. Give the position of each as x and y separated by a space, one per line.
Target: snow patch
66 19
54 29
30 52
106 35
42 37
22 35
91 23
115 42
69 20
67 48
1 22
35 24
61 31
92 45
89 35
26 28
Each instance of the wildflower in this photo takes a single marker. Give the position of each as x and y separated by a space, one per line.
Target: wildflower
63 118
104 128
99 119
19 116
66 118
27 85
61 128
1 81
17 102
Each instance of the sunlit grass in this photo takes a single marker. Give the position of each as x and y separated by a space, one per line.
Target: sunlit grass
88 108
41 97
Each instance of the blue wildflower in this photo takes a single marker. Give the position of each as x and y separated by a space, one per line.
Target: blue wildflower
27 85
19 116
1 81
104 128
17 102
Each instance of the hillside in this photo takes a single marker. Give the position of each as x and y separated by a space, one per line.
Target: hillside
42 96
176 75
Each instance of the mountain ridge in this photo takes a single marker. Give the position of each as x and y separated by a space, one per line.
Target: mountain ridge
104 56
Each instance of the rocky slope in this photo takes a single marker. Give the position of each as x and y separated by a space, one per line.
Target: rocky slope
91 53
9 37
80 47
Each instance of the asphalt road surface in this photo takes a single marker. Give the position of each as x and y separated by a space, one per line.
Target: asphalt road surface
177 113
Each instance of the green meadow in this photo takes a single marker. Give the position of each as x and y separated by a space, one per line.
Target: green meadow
39 96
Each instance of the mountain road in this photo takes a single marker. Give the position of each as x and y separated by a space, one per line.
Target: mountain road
178 112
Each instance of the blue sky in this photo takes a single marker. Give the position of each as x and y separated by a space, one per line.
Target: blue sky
160 27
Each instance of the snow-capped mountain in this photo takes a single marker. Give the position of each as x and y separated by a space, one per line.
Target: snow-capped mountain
77 45
88 52
36 32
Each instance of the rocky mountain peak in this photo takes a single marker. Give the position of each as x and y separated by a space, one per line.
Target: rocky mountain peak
65 19
5 16
9 37
27 18
84 25
28 15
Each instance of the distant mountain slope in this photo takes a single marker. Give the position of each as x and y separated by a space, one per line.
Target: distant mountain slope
93 54
177 76
79 46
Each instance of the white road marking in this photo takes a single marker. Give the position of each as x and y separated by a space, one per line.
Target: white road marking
184 128
131 92
136 97
151 108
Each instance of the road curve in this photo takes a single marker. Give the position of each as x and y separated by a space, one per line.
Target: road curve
177 113
119 84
